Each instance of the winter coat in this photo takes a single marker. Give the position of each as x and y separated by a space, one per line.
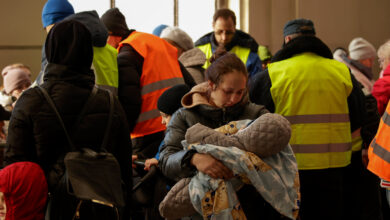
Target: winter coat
25 191
35 133
175 162
259 86
240 39
193 61
381 90
259 136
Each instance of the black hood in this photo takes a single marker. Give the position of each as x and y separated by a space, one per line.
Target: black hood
303 44
69 44
95 26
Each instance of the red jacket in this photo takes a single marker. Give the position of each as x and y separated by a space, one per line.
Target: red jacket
381 90
25 191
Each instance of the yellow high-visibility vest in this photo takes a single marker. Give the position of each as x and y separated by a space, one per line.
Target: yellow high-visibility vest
106 68
311 92
241 52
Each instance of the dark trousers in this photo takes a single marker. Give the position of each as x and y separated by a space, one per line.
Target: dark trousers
321 194
361 192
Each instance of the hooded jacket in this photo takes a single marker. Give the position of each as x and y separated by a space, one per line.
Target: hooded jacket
35 133
173 159
25 191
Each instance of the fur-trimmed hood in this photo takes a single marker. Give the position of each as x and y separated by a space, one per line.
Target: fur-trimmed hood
303 44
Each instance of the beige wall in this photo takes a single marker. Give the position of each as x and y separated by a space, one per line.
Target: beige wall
337 22
22 34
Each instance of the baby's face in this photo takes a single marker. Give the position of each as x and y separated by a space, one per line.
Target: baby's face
3 207
165 118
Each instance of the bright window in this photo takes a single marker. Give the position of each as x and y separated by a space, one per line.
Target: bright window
145 15
100 6
196 17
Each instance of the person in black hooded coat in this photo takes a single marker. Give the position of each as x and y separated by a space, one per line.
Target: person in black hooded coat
35 133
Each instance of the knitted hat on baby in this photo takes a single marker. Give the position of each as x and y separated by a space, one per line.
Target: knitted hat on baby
360 49
15 79
177 35
55 11
170 100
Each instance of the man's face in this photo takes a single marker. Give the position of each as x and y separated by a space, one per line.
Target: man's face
224 30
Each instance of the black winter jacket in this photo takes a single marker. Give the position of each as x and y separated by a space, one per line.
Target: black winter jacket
35 133
259 89
130 64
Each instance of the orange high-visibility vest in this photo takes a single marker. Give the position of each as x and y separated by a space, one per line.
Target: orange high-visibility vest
160 71
379 150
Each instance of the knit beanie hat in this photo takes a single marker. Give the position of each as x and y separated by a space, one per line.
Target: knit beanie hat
178 36
157 31
15 79
170 100
55 11
115 22
302 26
360 49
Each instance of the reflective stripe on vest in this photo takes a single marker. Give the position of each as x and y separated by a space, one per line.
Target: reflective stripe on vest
105 66
311 92
241 53
379 150
357 141
160 71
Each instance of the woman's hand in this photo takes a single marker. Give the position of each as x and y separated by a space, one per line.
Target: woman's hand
211 166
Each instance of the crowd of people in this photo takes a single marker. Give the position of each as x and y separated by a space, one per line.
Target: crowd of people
216 128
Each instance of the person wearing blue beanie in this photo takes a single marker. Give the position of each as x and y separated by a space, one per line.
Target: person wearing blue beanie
157 31
55 11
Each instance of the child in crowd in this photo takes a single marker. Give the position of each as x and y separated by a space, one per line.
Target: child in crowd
167 104
23 192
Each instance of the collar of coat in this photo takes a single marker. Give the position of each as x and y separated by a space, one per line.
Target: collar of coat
303 44
240 38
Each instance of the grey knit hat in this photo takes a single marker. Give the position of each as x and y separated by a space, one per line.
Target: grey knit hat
360 49
177 35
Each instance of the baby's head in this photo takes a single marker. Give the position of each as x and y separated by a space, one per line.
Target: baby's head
170 101
265 136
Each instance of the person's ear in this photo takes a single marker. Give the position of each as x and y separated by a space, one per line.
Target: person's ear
212 85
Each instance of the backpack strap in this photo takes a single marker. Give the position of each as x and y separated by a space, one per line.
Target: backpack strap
52 105
109 122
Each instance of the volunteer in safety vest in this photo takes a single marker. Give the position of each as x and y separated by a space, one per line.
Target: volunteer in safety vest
323 102
379 150
235 41
148 65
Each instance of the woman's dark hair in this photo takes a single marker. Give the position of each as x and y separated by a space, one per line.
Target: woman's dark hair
223 62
